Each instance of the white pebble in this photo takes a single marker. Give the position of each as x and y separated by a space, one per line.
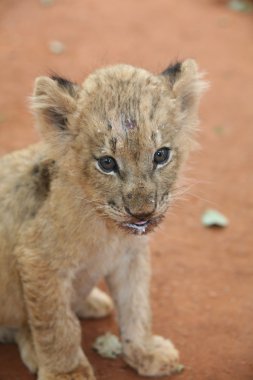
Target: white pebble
56 47
46 2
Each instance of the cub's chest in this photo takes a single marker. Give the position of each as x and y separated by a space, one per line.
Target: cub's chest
100 256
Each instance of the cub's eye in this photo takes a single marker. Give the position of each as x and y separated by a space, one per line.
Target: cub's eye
107 164
162 155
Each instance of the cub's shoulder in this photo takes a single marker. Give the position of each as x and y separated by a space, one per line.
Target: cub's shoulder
26 177
17 161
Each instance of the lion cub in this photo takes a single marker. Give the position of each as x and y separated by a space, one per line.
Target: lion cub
78 206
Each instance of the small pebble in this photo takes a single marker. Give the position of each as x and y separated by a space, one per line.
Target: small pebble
2 118
223 21
46 2
219 130
180 368
56 47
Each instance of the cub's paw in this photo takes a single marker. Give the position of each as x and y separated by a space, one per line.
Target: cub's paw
97 305
157 357
80 373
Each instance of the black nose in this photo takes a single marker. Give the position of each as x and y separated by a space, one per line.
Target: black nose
139 216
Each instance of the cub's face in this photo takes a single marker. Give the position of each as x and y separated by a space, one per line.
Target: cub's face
123 136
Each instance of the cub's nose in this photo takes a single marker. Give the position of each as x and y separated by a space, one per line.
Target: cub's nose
140 202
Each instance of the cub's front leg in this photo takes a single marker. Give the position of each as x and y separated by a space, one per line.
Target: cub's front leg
55 329
150 355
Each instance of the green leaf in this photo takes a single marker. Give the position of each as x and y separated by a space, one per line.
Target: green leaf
240 5
213 218
108 346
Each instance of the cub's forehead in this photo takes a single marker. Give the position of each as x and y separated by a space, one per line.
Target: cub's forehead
126 104
123 88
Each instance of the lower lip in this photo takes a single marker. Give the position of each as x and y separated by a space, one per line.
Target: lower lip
140 227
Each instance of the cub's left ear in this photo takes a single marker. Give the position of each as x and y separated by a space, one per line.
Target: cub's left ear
186 84
53 102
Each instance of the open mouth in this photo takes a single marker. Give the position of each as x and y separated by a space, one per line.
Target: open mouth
141 227
138 227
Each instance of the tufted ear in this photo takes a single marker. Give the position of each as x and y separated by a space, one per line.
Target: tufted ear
186 84
53 102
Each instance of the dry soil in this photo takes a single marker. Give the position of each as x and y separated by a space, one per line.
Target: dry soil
202 288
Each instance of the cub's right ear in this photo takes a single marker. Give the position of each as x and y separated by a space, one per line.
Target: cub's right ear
53 102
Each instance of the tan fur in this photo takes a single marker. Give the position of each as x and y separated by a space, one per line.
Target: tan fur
65 223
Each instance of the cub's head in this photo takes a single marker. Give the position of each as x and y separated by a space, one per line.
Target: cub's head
122 136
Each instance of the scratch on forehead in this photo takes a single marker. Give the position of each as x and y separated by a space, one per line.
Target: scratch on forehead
128 123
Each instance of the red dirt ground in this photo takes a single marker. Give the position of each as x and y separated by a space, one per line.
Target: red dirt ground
202 289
